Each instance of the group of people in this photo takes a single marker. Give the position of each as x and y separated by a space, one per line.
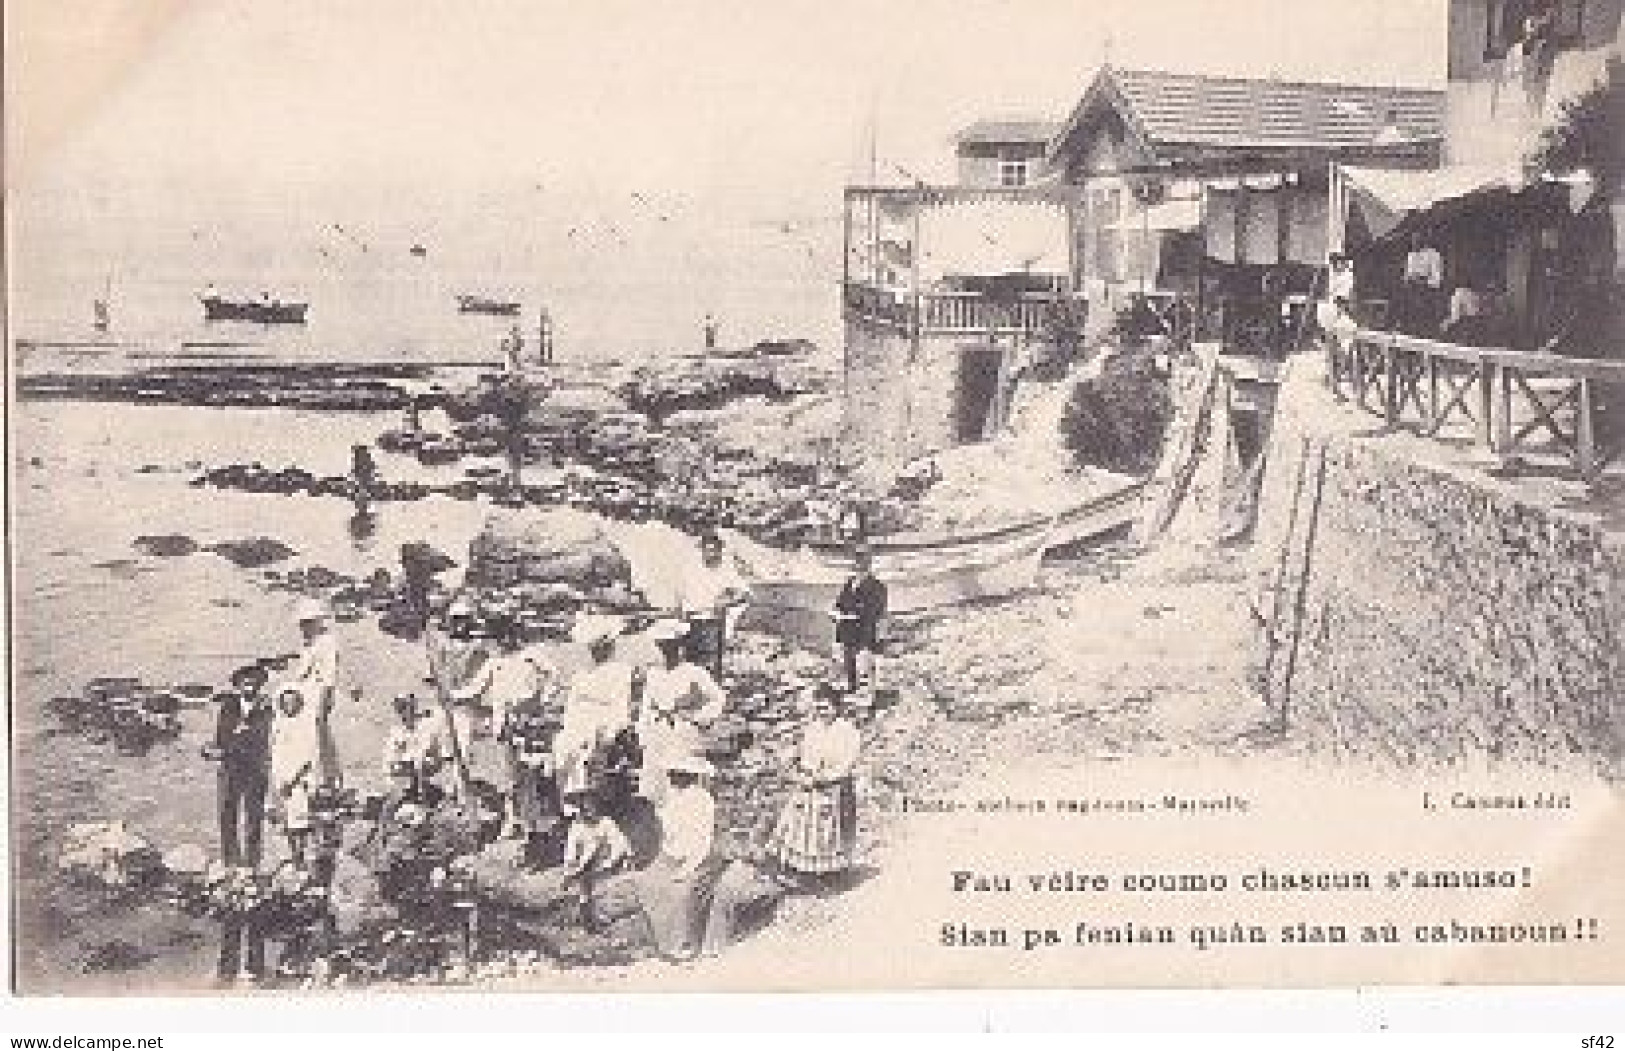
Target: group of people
568 759
274 743
1420 305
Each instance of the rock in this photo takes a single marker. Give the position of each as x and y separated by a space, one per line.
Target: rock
115 955
186 860
424 560
106 851
166 545
252 553
543 548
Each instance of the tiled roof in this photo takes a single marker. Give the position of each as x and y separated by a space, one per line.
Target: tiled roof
1187 108
1009 131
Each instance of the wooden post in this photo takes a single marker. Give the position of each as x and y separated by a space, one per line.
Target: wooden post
1431 420
1503 407
1356 365
1390 382
1585 435
1486 404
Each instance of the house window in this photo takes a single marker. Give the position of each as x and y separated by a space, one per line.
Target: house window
1012 173
1505 21
1108 211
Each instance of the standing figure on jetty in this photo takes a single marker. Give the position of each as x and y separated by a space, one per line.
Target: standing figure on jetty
316 672
816 832
242 747
513 351
711 597
859 610
680 700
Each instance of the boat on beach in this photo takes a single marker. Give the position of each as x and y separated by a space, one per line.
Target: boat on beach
923 573
262 311
467 304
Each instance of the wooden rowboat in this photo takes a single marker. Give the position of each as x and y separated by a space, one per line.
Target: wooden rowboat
922 573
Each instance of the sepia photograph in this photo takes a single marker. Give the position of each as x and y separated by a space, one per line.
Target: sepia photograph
813 496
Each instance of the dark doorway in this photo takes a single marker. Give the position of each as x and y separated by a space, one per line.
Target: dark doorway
977 393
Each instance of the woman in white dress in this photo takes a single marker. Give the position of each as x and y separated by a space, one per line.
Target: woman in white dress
680 701
597 705
816 832
295 765
315 673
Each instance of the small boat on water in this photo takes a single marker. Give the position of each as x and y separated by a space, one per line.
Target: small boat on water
436 449
400 440
266 311
487 305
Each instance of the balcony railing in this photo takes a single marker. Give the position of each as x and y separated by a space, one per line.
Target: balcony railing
955 312
1517 403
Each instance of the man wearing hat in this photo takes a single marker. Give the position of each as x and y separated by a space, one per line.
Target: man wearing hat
859 610
242 747
315 673
505 682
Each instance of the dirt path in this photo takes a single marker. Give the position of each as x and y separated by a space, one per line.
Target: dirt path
1117 658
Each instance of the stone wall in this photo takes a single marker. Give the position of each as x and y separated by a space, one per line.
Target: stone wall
1420 610
895 408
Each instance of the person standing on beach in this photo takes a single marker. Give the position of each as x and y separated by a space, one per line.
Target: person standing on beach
711 329
675 890
296 765
816 833
680 701
597 706
414 742
242 747
316 672
507 681
711 597
859 610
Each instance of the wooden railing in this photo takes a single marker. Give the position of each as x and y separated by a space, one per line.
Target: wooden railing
877 305
1516 402
967 312
953 312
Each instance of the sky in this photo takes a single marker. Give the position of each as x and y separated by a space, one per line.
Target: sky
672 124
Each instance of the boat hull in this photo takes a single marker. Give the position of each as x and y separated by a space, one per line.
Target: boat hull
481 305
217 309
794 593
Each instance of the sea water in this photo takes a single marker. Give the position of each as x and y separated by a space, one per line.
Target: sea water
89 479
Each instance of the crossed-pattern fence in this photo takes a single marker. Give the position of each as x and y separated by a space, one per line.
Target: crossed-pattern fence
1517 403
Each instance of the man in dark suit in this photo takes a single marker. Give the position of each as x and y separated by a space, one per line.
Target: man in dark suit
242 747
859 610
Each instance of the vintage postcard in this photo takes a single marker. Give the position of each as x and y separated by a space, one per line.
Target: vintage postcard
704 495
